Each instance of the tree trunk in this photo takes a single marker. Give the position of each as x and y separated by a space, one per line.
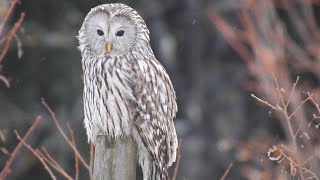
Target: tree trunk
114 160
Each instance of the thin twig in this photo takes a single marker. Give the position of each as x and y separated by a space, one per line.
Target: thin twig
297 165
290 128
296 134
10 36
53 163
314 102
272 36
91 160
49 159
305 162
3 39
35 153
64 135
227 171
231 35
3 135
5 80
13 155
76 160
267 103
175 174
7 15
293 89
279 92
4 151
299 107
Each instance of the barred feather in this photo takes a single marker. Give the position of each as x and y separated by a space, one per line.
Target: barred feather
130 95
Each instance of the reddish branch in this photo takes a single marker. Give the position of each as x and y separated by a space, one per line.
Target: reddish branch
227 171
91 160
314 102
49 162
53 115
7 15
290 128
176 169
288 116
6 170
76 160
37 154
10 36
232 35
267 103
53 163
43 155
4 151
265 45
5 80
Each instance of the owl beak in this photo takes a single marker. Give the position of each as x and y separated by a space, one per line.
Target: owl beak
109 47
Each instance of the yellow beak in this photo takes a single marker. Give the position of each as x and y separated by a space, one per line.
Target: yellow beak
109 47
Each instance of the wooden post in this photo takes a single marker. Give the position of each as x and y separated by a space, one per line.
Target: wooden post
114 160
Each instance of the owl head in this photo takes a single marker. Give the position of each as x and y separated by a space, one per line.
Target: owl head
112 29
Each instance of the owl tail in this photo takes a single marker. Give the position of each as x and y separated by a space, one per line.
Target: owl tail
158 174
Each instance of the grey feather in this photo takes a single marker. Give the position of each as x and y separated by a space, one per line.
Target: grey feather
127 92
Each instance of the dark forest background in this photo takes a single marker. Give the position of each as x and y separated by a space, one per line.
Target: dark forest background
217 53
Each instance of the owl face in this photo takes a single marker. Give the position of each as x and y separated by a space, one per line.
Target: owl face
109 34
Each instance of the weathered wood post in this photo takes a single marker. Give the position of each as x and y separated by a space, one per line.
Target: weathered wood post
114 160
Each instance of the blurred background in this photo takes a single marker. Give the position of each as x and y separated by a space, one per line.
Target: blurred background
217 53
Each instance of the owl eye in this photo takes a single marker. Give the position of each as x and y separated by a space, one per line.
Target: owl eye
99 32
120 33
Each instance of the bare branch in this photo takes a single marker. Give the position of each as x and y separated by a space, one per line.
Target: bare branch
53 163
7 15
293 89
91 160
64 135
279 93
232 35
314 103
176 169
267 103
227 171
4 151
5 80
10 36
35 153
76 160
299 107
5 171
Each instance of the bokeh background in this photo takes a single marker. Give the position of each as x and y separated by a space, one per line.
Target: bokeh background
217 53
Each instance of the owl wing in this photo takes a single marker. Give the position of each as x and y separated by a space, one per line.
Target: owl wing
156 108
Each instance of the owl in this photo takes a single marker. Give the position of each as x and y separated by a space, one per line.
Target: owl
127 92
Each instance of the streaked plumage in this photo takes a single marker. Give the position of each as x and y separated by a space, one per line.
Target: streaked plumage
127 92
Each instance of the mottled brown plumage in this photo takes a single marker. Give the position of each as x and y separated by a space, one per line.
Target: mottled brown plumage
127 92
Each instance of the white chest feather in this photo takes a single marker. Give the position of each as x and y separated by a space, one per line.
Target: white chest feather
107 93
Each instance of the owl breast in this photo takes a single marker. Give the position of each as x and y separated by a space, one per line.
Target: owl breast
106 96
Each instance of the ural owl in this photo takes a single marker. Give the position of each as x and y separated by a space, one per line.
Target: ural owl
127 92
